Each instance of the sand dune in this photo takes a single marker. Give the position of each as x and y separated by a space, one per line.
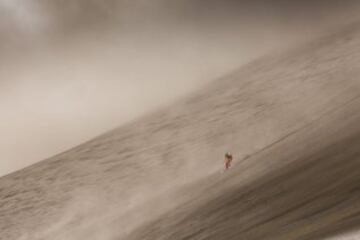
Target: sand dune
292 122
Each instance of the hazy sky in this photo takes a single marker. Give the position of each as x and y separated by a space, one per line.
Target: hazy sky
73 69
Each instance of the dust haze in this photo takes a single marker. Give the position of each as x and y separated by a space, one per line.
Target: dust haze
132 104
71 70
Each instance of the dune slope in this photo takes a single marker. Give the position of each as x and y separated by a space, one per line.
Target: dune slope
292 122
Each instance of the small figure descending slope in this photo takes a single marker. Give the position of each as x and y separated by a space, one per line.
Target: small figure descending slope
228 160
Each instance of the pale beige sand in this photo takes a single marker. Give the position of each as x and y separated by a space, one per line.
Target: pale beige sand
292 122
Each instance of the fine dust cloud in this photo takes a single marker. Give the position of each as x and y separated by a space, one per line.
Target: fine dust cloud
94 214
72 70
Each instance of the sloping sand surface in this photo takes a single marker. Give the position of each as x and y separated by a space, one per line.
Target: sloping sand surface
291 120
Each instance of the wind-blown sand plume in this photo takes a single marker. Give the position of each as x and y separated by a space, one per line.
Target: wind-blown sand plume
292 122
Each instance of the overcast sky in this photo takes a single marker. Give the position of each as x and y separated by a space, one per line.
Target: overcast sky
73 69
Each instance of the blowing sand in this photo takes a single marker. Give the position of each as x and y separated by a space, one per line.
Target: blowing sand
292 122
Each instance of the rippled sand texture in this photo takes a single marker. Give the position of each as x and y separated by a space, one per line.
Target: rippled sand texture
291 120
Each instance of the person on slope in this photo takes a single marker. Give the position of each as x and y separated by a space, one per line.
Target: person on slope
228 160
